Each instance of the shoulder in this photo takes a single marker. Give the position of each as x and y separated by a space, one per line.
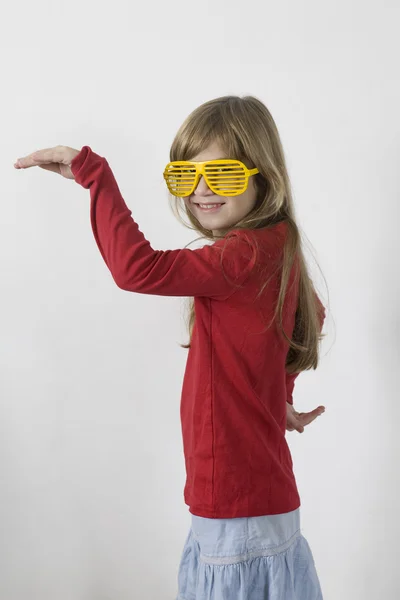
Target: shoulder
266 241
245 249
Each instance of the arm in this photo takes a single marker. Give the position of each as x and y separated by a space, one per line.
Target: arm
290 379
133 263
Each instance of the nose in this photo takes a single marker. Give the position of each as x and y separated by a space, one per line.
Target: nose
202 188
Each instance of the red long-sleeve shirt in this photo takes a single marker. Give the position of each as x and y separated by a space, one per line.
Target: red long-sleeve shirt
235 387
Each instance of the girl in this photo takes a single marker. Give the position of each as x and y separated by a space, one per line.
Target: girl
255 324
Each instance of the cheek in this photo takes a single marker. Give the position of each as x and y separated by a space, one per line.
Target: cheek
247 200
189 205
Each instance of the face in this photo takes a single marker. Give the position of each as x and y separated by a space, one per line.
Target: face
230 209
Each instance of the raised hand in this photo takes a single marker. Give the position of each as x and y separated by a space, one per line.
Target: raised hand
57 159
297 421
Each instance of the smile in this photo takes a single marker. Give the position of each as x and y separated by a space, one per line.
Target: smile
215 207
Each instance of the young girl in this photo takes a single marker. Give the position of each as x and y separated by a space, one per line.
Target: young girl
255 324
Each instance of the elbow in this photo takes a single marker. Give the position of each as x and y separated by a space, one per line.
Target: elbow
121 281
128 284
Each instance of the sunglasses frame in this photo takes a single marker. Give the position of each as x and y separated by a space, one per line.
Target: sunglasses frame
200 167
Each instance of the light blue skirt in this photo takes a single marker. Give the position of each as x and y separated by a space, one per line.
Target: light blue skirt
249 558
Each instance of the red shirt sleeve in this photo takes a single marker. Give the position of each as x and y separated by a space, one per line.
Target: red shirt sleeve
290 379
136 266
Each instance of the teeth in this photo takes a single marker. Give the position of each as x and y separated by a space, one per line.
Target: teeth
208 205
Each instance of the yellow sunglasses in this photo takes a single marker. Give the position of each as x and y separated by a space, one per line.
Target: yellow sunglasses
225 177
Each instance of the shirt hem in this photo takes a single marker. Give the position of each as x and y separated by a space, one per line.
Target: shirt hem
240 512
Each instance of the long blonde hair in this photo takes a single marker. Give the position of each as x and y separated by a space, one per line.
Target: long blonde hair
246 130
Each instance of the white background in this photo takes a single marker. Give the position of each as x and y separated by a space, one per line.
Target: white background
92 470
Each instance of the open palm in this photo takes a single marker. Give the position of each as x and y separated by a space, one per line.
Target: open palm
297 421
57 159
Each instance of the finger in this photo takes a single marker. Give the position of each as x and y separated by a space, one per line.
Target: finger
49 167
45 156
32 160
307 418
